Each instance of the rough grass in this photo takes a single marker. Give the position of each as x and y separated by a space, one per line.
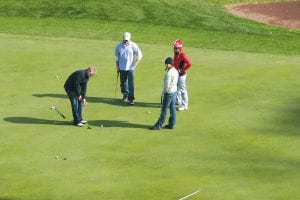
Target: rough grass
203 24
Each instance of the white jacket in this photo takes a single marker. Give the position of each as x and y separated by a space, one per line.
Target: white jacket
170 81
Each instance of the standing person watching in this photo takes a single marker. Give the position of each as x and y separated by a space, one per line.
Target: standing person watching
182 63
169 96
75 87
128 55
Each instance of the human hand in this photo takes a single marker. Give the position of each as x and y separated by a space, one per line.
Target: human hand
84 102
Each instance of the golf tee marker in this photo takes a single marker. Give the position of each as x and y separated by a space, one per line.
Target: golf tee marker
187 196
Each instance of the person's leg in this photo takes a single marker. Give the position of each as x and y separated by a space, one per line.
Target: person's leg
76 107
131 86
183 93
164 109
178 97
79 110
172 118
124 84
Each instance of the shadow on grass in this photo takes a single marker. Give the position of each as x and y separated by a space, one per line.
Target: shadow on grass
116 123
104 100
31 120
287 120
98 123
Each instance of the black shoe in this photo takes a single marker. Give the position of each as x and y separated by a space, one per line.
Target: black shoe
131 102
168 127
154 128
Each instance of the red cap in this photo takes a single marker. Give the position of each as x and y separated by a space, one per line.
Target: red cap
178 44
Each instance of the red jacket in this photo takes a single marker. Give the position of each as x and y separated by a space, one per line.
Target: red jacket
182 63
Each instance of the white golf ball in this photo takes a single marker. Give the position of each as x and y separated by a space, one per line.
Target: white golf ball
56 157
52 107
56 77
149 112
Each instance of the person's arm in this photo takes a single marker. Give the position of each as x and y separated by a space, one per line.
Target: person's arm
138 54
117 59
187 62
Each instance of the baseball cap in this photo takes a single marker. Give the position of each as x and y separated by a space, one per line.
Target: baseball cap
127 36
178 43
169 60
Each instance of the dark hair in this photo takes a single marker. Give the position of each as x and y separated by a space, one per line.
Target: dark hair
169 60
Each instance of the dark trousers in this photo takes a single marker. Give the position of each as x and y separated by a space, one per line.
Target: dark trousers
76 107
127 84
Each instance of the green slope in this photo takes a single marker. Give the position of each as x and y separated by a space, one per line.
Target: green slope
202 24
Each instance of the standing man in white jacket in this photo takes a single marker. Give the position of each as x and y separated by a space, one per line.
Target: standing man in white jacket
169 97
128 55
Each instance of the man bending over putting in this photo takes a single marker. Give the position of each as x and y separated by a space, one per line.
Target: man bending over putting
75 87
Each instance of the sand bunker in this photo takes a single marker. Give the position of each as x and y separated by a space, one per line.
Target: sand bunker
285 14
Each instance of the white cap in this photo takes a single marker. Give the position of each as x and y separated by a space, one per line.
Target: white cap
127 36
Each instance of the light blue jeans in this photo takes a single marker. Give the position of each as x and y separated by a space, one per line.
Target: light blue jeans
169 101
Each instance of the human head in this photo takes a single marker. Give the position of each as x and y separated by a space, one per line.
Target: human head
126 37
91 71
178 44
168 62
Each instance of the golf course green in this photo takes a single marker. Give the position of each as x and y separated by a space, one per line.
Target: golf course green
239 139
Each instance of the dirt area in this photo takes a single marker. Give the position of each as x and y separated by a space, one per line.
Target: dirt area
285 14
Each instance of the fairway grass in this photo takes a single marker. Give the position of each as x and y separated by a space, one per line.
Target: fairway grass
238 140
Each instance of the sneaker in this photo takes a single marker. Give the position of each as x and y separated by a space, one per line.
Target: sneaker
168 127
154 128
80 124
131 102
83 121
125 99
182 108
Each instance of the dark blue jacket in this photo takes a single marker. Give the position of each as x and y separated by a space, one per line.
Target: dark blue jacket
77 83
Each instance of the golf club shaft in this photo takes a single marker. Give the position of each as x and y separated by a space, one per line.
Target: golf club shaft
60 113
117 83
84 113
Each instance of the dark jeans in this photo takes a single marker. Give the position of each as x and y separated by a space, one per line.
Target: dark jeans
127 84
76 107
169 101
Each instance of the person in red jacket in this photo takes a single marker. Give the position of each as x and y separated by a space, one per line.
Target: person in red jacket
182 63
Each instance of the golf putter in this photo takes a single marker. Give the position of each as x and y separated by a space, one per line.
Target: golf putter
87 122
54 108
117 83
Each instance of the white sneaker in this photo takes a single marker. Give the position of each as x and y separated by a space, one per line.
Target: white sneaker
182 108
80 124
83 121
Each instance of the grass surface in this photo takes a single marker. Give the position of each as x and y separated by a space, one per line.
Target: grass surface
202 24
238 140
